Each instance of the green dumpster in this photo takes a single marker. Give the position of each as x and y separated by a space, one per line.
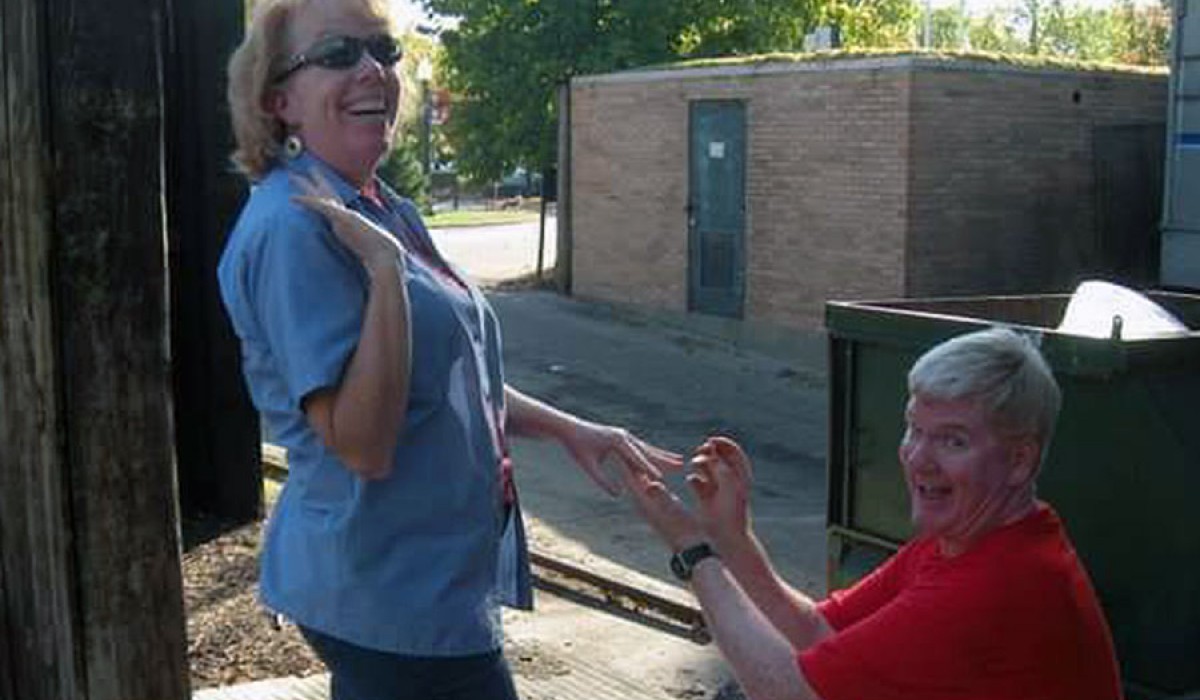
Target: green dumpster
1123 470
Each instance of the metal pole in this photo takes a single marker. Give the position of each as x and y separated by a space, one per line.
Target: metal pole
426 130
542 230
927 39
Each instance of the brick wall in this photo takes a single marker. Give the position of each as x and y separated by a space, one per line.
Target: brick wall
866 178
1002 181
826 192
825 188
629 189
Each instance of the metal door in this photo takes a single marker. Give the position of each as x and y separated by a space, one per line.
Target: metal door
1181 210
717 207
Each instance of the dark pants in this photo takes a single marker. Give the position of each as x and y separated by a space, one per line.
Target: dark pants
366 674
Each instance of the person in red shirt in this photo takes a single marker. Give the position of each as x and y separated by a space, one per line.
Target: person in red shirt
988 602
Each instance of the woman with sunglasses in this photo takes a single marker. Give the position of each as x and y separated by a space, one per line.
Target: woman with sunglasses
377 365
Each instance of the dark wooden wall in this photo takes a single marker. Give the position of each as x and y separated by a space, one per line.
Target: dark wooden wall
38 624
216 429
110 131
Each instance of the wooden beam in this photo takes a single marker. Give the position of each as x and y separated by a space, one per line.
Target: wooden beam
39 657
104 66
110 283
216 427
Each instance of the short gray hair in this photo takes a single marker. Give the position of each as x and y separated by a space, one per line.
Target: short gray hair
999 368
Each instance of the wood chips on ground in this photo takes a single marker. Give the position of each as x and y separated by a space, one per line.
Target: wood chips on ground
231 639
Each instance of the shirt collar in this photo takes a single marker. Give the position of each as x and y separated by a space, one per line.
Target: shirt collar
307 162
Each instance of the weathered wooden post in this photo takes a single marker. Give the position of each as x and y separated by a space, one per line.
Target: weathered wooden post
216 428
89 551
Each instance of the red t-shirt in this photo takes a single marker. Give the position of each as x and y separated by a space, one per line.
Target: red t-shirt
1013 618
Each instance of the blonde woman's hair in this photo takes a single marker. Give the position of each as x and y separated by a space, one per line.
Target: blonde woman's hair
258 133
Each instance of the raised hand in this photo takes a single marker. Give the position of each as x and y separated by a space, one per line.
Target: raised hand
372 244
721 481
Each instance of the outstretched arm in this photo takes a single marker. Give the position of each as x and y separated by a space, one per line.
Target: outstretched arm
762 659
588 443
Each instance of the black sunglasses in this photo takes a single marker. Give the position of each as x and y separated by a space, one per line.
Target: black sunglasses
343 52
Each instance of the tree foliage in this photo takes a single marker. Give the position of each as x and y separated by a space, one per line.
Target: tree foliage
402 169
1125 32
506 59
872 23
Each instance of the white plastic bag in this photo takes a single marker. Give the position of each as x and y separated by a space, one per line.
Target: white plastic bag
1099 309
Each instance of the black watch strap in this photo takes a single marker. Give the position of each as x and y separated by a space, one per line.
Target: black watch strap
683 562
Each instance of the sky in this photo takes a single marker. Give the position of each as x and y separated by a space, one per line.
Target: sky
407 11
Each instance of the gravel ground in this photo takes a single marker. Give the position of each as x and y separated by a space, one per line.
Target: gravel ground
230 639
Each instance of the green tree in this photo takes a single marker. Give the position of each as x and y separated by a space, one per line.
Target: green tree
506 58
997 32
949 28
1078 32
872 23
402 169
1124 33
1141 35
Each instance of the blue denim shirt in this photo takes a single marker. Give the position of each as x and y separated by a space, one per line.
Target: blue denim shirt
415 563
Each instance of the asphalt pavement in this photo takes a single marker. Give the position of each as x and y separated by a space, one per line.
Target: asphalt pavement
673 379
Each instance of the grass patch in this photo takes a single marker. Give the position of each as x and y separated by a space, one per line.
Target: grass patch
527 281
480 217
977 57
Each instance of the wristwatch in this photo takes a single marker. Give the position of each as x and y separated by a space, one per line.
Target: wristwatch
684 561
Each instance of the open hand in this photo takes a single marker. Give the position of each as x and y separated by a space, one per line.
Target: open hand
367 240
591 444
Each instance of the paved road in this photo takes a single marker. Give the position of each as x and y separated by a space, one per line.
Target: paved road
494 253
674 386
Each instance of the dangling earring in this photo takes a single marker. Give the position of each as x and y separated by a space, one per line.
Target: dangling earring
292 146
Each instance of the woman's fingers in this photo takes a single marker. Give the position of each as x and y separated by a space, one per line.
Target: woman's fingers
639 455
323 186
660 458
316 203
314 183
317 193
362 236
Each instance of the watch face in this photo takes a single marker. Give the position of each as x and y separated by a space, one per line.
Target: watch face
681 570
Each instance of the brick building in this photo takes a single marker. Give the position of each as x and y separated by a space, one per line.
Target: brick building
760 189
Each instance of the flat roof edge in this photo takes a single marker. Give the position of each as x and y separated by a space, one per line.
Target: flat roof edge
851 64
